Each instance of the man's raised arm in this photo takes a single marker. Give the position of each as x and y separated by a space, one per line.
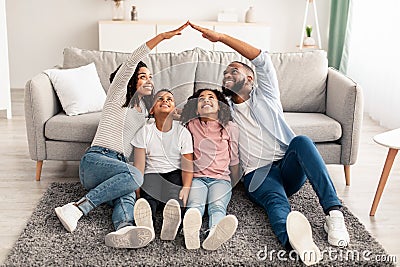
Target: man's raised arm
243 48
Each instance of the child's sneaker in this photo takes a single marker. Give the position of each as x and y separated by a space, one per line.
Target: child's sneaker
221 233
171 220
336 229
191 227
69 215
300 237
142 214
130 237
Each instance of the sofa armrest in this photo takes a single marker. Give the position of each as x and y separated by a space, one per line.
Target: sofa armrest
344 103
41 103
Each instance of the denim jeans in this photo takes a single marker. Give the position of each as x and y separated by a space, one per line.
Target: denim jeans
110 179
285 177
158 188
214 192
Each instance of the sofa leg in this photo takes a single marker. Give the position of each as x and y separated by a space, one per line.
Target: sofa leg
347 174
39 165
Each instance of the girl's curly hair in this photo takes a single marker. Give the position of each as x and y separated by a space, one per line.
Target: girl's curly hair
189 111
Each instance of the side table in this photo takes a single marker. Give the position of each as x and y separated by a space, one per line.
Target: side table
390 139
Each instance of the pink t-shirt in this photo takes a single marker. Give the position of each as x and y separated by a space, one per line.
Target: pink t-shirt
214 150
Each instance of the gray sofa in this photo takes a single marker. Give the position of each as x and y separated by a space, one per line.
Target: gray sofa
318 101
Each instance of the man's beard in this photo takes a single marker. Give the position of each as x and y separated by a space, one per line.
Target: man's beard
235 88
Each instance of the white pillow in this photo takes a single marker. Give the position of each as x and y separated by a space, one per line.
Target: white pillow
79 89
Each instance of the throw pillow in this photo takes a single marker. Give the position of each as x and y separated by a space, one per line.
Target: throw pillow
78 89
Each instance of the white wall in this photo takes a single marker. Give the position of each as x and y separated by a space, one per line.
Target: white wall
39 30
5 99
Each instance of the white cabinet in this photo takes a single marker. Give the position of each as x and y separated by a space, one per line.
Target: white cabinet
5 98
124 36
257 35
188 40
121 36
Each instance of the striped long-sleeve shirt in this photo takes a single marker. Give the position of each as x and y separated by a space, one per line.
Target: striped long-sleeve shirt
119 125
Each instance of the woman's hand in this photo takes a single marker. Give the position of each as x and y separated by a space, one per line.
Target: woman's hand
165 35
184 194
211 35
170 34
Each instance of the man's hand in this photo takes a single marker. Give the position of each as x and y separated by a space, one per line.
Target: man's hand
207 33
184 194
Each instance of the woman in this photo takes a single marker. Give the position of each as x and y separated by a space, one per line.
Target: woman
104 169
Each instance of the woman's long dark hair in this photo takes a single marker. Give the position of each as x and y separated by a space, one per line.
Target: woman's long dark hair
189 111
132 98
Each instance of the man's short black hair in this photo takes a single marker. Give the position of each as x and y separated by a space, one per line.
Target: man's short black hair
247 67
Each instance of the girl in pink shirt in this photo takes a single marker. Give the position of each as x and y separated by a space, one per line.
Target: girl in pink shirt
215 140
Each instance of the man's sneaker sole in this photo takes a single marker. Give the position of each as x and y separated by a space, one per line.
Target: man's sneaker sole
224 230
130 237
171 220
142 214
191 227
300 237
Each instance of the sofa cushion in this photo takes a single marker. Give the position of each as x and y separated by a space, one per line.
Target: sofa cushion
319 127
301 76
174 71
179 78
209 72
80 128
302 80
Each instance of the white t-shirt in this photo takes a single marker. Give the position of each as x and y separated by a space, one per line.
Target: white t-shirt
257 148
163 149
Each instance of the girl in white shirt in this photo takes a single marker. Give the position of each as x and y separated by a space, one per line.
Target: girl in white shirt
163 153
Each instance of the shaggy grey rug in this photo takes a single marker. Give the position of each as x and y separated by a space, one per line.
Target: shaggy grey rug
44 242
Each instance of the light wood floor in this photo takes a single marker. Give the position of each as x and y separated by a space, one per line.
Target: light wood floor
19 192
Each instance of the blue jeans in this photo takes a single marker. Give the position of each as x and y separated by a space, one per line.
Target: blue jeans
110 179
285 177
214 192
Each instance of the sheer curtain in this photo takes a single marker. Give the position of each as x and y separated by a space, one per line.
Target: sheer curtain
373 57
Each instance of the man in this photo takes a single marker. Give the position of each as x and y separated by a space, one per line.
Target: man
275 161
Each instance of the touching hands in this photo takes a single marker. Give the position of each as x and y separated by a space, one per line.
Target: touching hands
170 34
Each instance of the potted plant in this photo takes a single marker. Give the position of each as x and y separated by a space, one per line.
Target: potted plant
308 40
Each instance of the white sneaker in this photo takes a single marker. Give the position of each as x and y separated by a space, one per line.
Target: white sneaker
130 237
142 214
171 220
69 215
336 228
191 227
221 233
300 237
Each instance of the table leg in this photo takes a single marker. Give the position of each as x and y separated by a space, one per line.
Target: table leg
384 176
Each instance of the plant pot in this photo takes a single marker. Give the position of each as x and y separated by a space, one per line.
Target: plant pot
309 41
118 12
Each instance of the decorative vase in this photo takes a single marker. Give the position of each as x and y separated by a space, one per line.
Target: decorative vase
134 16
118 10
309 41
250 16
